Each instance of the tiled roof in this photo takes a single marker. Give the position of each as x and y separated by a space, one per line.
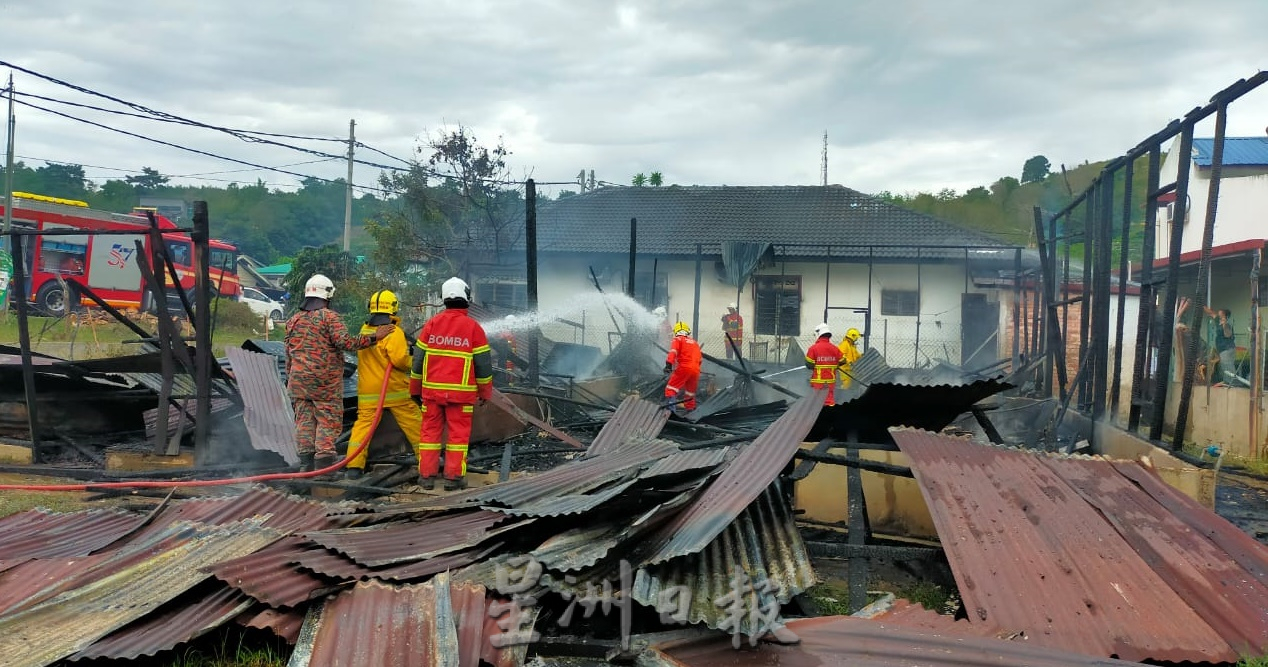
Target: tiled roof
1238 151
673 220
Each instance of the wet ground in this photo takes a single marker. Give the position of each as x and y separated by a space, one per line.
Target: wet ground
1244 502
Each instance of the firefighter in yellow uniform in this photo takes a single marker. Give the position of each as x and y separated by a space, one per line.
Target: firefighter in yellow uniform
391 355
849 354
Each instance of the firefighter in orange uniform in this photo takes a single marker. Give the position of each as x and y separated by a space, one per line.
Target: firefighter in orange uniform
452 370
733 327
508 337
684 364
823 358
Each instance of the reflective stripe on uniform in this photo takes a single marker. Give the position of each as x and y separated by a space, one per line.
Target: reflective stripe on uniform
430 446
468 408
390 396
453 354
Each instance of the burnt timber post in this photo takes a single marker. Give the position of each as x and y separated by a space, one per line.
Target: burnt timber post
202 334
530 257
24 340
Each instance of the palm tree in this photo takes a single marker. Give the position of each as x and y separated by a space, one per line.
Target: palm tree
656 179
639 180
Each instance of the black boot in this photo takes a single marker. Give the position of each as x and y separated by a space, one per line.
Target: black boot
306 462
322 462
352 473
456 484
428 483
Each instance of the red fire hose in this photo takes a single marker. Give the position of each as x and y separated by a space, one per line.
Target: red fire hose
272 477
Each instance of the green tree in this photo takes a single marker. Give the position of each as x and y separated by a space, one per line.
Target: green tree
352 284
115 195
639 180
148 181
63 180
656 179
1036 168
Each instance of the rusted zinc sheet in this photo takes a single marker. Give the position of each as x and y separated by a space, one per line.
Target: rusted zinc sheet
325 562
696 459
269 575
187 620
38 579
408 541
582 548
1030 554
843 640
576 477
42 534
283 623
277 510
70 622
915 617
566 504
634 418
424 625
265 407
1232 600
739 484
758 562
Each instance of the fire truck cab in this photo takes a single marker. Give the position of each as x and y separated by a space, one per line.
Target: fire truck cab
105 262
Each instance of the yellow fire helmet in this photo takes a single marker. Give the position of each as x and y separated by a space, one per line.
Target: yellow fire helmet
384 301
853 334
681 329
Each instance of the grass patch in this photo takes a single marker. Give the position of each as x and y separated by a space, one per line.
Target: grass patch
1261 661
834 600
230 656
930 596
12 502
1256 466
96 338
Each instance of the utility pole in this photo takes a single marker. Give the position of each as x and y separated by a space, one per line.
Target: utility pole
347 202
8 188
825 159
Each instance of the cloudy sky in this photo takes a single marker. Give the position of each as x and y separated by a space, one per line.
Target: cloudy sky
914 95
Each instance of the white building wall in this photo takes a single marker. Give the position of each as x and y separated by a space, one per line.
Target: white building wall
567 292
1242 212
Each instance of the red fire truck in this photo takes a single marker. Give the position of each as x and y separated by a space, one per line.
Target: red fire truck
107 263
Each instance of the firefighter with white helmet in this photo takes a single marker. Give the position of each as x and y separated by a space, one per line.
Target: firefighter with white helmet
315 342
849 354
391 356
822 359
452 370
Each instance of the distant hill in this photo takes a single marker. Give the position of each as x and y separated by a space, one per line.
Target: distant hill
1005 208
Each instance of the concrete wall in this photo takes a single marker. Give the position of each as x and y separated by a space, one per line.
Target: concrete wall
1220 416
895 505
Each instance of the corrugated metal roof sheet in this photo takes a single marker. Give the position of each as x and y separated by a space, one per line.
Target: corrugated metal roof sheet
71 621
428 625
695 459
870 414
763 543
574 477
739 484
583 547
43 534
407 541
323 561
278 510
1031 554
911 615
634 418
283 623
38 579
269 575
265 406
1238 151
842 640
185 619
566 504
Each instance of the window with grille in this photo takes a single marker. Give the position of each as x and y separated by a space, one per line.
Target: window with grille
900 302
504 294
777 300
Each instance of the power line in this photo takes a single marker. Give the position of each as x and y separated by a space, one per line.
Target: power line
188 149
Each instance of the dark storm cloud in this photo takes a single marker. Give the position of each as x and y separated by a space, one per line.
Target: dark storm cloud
913 95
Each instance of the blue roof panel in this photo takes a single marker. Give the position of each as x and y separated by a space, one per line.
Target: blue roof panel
1238 151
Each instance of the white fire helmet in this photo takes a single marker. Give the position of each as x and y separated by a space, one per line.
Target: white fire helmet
659 312
455 288
823 330
732 306
320 287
